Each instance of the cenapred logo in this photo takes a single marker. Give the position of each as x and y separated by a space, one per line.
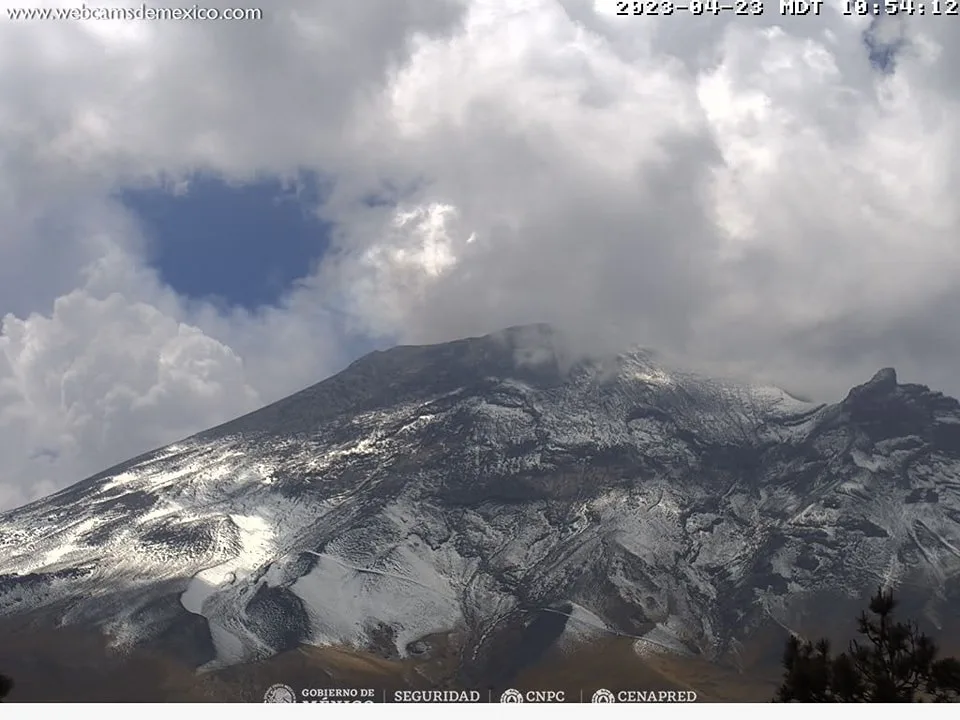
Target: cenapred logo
644 696
280 693
603 696
511 696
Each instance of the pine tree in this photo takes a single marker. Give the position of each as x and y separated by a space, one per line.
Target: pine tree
898 663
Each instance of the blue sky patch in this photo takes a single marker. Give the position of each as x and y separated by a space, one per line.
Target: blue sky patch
884 39
241 246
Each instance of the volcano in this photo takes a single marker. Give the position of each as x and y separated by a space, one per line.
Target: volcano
468 514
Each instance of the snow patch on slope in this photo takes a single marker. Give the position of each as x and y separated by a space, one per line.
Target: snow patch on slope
867 462
347 602
256 547
583 626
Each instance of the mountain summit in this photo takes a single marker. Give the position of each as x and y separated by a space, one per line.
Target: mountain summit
491 497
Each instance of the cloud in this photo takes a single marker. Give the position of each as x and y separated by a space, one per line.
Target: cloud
101 379
750 193
100 362
746 196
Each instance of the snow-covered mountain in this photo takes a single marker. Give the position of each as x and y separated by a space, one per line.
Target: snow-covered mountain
486 493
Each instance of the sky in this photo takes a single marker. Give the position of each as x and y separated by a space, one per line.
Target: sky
230 245
200 217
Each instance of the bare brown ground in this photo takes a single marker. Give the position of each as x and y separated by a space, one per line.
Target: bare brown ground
74 665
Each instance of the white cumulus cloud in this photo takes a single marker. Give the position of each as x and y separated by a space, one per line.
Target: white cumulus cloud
750 192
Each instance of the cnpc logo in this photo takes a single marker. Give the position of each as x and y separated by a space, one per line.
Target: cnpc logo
633 696
534 696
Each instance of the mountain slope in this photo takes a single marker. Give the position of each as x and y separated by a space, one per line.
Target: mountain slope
487 495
